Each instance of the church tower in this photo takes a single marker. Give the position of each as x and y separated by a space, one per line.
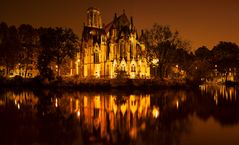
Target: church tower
94 18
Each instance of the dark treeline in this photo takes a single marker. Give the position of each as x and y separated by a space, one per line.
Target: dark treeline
41 47
221 61
168 54
171 50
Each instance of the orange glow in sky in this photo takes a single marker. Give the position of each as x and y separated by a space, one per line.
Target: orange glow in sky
203 22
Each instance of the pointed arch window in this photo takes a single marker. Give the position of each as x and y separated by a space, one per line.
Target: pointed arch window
123 67
133 68
96 58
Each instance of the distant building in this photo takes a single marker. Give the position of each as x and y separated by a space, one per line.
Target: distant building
27 68
112 49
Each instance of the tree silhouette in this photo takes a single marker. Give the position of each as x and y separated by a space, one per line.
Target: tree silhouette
57 44
203 53
225 56
28 39
9 46
162 44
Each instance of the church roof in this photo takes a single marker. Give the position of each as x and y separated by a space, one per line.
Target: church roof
119 23
108 27
122 21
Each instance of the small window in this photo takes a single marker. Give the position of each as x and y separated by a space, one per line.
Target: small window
96 58
133 68
123 67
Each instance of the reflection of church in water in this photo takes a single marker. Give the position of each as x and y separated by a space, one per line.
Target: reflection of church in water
103 115
112 48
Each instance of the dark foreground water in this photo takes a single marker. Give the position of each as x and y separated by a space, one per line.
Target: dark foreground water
167 117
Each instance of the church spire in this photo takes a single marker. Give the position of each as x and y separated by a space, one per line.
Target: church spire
115 17
131 20
132 24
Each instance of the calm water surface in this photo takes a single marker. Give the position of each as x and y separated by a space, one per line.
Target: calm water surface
207 116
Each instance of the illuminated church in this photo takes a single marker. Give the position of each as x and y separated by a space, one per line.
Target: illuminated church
112 49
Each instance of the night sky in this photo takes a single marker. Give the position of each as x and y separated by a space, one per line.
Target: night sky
203 22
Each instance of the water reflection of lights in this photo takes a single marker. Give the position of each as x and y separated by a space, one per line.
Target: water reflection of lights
177 104
155 112
97 102
123 108
78 113
220 92
216 99
2 102
56 103
102 111
24 98
18 106
133 133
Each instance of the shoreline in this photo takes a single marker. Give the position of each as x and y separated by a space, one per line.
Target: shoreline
96 84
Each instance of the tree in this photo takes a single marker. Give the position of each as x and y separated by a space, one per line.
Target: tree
9 46
58 44
225 50
28 39
43 62
225 56
201 66
203 53
199 69
66 47
163 45
3 40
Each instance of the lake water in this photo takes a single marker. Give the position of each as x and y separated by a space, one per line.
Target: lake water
205 116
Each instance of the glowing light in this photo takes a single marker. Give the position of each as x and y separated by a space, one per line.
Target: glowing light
78 113
132 75
98 75
230 92
177 104
133 103
18 106
97 102
77 104
155 112
133 132
85 101
216 100
56 103
123 108
114 106
155 61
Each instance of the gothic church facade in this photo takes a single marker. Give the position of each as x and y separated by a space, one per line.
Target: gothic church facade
112 49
